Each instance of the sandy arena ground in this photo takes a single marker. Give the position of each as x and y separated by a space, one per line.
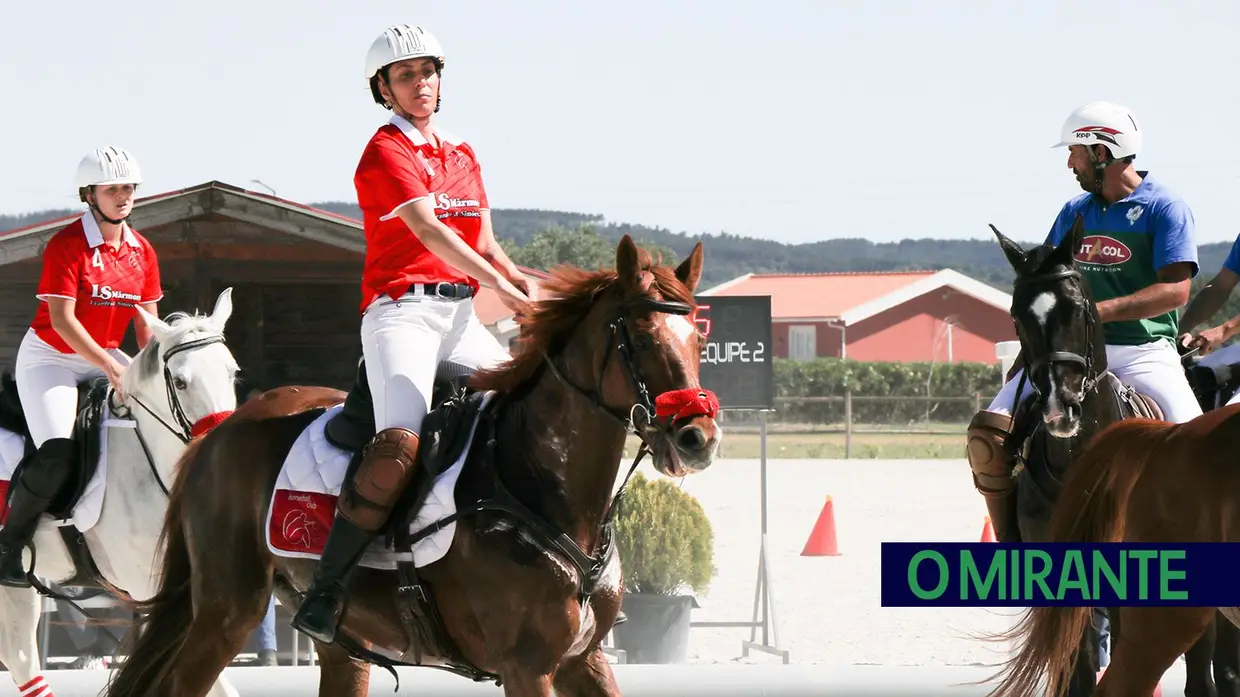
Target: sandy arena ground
827 608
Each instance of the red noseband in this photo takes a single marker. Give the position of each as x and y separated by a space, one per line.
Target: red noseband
207 423
686 404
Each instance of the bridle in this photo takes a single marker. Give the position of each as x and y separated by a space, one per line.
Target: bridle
1033 365
659 413
187 430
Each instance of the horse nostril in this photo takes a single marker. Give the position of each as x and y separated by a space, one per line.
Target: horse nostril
692 438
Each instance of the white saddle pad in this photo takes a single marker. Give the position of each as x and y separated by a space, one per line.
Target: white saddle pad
303 505
86 512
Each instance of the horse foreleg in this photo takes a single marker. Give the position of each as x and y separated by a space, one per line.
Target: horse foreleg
520 681
587 676
1153 637
1198 681
1085 672
340 674
19 646
1226 657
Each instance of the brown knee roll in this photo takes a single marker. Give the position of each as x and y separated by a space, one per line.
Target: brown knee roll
387 466
992 473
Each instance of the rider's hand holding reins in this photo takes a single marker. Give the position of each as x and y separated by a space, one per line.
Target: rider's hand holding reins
1208 340
115 371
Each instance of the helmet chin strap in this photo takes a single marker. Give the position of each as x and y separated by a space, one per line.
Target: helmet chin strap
1100 169
97 210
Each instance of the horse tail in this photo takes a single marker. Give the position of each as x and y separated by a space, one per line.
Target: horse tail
163 622
1091 508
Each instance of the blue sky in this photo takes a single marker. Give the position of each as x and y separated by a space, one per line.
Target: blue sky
793 121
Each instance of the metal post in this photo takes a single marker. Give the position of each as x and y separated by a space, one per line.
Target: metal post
763 591
763 596
848 423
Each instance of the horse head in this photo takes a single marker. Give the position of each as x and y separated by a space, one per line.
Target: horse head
184 377
1058 326
626 339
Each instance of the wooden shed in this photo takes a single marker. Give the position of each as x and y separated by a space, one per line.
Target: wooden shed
294 270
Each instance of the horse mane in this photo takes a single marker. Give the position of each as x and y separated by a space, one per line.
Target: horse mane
146 364
570 294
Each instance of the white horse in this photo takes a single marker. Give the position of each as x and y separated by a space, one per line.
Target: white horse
182 381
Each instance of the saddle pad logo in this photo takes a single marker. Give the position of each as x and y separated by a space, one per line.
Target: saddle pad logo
301 520
1103 251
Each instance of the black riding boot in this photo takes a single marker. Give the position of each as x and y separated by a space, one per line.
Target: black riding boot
33 492
367 500
319 614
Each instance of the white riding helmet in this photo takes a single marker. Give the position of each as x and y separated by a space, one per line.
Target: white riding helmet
108 165
401 42
1103 123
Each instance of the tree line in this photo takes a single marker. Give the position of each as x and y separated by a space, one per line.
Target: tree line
541 239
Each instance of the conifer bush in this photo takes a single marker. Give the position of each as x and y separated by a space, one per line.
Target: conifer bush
664 539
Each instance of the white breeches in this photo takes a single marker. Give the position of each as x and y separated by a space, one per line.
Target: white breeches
1224 364
47 383
409 341
1153 369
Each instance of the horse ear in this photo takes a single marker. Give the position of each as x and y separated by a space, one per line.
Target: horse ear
1064 252
1014 252
223 310
626 261
690 270
157 325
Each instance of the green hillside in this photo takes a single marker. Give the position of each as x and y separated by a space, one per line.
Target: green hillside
728 256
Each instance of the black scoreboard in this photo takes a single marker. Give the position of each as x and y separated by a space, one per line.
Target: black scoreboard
736 358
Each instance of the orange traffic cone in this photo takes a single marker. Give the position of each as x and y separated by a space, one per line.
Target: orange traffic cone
988 531
822 542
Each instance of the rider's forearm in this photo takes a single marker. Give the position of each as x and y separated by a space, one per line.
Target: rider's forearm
76 336
1231 327
1203 307
1150 301
449 246
494 253
499 259
142 332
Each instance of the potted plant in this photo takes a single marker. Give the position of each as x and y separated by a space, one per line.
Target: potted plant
666 548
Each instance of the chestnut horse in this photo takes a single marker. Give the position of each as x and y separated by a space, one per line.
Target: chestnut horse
1212 664
530 583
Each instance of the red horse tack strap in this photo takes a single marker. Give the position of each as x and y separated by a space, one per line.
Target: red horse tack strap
686 403
207 423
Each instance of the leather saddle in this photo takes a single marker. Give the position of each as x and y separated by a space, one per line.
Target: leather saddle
87 439
444 432
91 398
1213 386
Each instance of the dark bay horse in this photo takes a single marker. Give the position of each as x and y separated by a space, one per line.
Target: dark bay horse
1139 480
1074 396
531 583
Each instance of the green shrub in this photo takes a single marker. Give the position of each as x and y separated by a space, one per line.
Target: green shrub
826 377
665 539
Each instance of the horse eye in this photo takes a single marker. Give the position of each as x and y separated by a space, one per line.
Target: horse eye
179 383
643 341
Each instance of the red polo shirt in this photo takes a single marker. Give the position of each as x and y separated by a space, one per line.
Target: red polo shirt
398 167
106 283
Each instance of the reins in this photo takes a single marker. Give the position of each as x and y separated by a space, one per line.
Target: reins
186 431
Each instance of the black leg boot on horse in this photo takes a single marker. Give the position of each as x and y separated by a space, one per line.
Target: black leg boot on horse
39 483
992 471
366 501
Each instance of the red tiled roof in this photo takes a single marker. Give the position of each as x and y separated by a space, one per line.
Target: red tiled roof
818 295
